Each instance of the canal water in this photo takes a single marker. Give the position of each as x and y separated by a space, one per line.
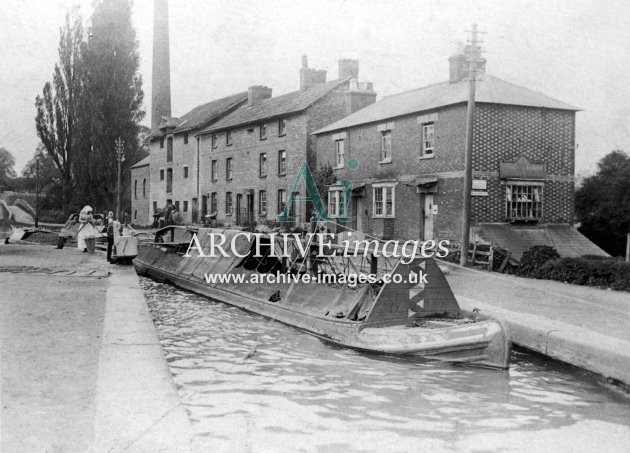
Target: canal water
251 384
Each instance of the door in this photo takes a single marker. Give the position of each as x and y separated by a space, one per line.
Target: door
239 203
427 211
204 206
195 210
358 212
250 207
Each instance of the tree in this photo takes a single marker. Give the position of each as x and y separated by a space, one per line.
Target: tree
111 105
602 203
40 172
7 167
56 107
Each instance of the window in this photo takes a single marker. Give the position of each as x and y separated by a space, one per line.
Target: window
427 140
228 203
213 170
185 138
339 154
386 146
282 200
177 206
135 215
282 162
263 132
169 149
161 142
523 201
213 139
169 180
144 188
185 206
228 138
262 202
214 205
135 189
383 200
334 199
185 172
228 168
282 127
262 165
154 206
162 174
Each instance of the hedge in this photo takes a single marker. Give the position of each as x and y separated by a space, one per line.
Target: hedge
535 257
607 273
543 262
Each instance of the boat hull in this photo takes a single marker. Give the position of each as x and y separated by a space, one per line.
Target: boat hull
481 343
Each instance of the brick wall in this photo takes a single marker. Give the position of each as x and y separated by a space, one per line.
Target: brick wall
543 135
140 199
184 189
364 144
501 132
245 153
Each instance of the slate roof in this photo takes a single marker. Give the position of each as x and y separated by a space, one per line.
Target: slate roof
294 102
206 113
142 163
489 89
566 239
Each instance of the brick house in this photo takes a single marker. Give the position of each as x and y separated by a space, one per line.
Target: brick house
140 190
250 159
409 148
174 157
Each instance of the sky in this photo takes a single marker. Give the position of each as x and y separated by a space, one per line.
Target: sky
576 51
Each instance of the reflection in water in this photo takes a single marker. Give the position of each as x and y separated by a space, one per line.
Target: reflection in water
253 384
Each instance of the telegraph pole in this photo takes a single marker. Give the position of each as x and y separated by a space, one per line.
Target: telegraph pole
37 190
120 157
473 54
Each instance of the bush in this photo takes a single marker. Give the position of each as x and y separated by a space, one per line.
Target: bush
607 273
534 258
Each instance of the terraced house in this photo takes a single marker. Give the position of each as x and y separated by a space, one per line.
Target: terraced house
410 153
250 158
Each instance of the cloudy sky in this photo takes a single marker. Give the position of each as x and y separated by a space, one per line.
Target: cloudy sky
574 50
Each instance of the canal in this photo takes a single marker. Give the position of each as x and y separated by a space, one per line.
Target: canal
251 384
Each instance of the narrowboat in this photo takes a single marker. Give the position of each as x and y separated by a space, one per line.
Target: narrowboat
396 309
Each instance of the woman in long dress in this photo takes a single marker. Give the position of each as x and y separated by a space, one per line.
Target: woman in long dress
86 229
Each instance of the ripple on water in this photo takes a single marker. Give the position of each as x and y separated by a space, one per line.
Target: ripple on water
252 384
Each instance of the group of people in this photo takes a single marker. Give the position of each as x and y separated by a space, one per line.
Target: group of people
87 230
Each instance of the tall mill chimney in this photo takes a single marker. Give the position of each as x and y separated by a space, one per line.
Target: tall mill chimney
161 74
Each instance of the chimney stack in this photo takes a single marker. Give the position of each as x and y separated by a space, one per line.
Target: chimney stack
160 74
257 93
459 67
309 76
348 68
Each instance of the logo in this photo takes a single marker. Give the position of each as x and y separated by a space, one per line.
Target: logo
321 214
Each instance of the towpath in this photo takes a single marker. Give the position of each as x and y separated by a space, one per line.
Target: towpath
81 366
583 326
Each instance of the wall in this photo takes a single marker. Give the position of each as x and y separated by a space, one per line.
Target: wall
245 153
140 204
543 135
501 132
